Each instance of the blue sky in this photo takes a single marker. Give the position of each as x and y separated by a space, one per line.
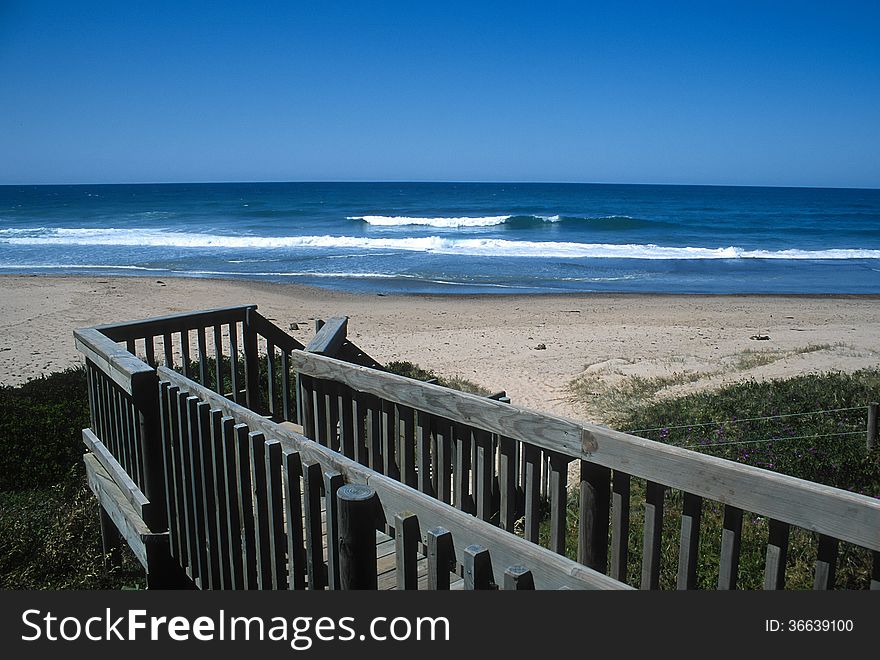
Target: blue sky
741 93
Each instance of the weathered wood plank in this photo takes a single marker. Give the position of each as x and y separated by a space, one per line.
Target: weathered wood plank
777 555
150 350
442 459
406 549
332 482
594 502
132 528
209 506
478 572
620 503
257 446
330 337
185 353
235 550
826 563
218 358
507 474
731 539
245 498
271 393
558 501
390 440
312 483
689 548
532 461
441 558
296 555
234 375
172 323
194 523
423 452
518 578
654 496
168 350
221 505
129 489
484 472
286 408
275 514
405 420
464 499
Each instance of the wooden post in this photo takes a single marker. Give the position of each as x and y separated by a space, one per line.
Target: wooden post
518 578
478 568
357 537
406 550
145 396
594 504
441 558
872 425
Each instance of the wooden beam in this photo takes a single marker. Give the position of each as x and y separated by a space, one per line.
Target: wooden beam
330 337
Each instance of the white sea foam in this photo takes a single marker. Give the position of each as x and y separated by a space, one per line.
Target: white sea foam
486 247
444 223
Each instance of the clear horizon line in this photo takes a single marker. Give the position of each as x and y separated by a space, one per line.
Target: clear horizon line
438 181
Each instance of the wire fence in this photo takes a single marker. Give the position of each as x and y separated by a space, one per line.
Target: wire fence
870 430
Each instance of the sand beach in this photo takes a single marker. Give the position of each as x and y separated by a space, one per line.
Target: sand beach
530 346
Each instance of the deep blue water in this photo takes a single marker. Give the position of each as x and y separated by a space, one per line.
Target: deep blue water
454 238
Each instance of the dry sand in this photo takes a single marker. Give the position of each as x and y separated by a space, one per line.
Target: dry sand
692 341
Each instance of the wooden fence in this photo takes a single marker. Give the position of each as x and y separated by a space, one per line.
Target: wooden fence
196 453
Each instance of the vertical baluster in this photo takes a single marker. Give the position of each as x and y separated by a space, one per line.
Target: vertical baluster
221 508
390 440
218 360
518 578
209 506
150 350
731 536
478 568
271 389
344 403
558 509
777 555
423 452
312 484
594 507
532 460
168 465
275 512
257 445
332 483
463 497
184 353
296 556
374 434
620 496
826 563
443 459
196 525
286 410
203 356
484 470
507 483
178 518
359 429
246 505
441 558
654 495
407 439
406 550
688 551
168 350
234 374
233 512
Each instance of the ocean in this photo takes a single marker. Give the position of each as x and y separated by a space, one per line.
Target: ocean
458 238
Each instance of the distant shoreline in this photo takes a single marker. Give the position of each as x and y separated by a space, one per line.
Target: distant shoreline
567 295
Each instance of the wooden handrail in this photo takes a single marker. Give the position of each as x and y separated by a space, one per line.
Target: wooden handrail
831 511
173 322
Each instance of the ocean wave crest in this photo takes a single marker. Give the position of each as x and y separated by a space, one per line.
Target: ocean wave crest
482 247
599 222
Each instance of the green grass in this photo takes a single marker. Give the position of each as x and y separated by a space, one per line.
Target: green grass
416 372
49 532
711 422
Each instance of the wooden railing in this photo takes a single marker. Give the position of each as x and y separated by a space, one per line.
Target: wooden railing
236 498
